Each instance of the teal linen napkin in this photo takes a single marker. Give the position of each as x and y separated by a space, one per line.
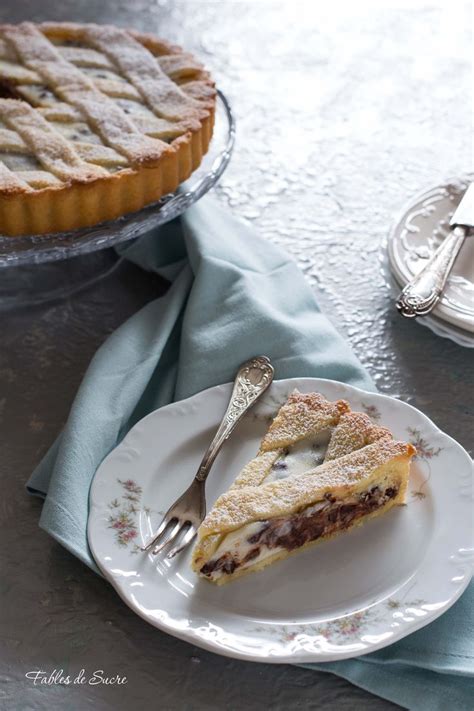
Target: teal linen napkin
232 296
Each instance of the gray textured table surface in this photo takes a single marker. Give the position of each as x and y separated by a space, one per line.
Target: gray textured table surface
342 114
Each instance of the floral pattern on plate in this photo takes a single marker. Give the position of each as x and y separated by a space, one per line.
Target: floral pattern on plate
346 628
424 452
122 519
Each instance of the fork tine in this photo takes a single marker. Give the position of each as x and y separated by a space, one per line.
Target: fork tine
158 533
169 538
184 542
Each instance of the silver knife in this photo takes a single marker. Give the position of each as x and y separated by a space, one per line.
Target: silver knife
423 292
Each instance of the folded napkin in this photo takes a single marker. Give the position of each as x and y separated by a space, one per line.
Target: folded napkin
232 296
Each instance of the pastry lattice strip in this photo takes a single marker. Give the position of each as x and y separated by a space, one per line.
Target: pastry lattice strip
303 417
74 88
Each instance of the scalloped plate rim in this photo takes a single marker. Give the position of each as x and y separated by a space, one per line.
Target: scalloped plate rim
190 635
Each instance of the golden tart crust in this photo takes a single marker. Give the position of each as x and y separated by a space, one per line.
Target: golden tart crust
95 122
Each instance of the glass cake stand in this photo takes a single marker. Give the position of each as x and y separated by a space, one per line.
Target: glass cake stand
31 264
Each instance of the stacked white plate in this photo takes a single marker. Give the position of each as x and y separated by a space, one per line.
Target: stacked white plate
416 235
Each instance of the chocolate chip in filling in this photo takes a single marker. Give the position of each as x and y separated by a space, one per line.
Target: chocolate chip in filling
290 533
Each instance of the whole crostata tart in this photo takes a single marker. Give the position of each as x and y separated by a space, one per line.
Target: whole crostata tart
321 469
95 122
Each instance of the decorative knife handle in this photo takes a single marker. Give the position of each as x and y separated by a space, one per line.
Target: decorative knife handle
422 293
253 378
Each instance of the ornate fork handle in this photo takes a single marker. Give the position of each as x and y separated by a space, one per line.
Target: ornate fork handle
422 293
250 383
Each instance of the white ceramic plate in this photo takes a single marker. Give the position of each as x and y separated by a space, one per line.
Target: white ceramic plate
415 236
346 597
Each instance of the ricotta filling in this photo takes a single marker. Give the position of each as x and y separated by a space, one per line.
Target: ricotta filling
300 458
250 545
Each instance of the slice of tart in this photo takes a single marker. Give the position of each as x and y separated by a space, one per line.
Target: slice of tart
321 469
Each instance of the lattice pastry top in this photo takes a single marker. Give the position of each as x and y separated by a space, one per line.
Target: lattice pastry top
88 105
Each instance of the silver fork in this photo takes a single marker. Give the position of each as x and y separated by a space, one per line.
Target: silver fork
182 520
